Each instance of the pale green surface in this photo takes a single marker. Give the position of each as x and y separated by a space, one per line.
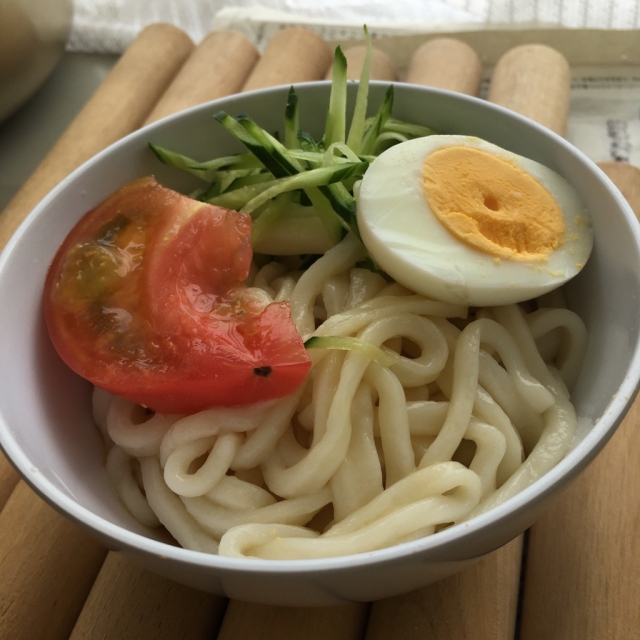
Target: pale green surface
27 136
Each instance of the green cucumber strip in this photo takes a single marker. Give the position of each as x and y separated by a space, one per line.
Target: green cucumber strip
312 178
383 138
383 357
330 156
291 121
335 126
340 199
256 147
327 213
233 127
412 130
244 181
227 178
237 161
274 148
248 180
331 221
212 192
237 198
317 158
183 163
379 120
330 216
296 232
278 160
356 130
343 203
308 144
270 215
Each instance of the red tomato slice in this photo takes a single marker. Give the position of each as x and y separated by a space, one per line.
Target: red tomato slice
145 299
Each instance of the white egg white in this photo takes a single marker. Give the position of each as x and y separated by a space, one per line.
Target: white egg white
406 239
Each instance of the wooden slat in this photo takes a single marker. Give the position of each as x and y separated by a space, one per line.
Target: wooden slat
446 63
284 62
477 604
8 480
262 622
481 602
154 607
535 81
129 603
218 67
287 59
381 66
292 55
118 107
47 567
587 545
627 178
583 569
47 564
583 559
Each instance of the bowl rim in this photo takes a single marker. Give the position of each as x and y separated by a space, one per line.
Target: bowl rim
560 475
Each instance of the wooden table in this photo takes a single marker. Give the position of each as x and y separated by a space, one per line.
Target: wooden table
574 575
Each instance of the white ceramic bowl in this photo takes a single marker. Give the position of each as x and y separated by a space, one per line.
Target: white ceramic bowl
45 414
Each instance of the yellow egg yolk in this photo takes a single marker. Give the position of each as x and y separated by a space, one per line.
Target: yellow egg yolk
491 204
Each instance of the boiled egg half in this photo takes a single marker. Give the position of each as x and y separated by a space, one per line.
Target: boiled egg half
459 219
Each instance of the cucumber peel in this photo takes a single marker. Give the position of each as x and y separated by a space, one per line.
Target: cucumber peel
336 116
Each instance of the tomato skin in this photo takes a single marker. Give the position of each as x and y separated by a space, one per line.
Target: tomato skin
144 299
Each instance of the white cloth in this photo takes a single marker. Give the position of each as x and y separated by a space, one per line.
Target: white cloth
108 26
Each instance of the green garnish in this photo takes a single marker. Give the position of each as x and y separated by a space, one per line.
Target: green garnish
317 174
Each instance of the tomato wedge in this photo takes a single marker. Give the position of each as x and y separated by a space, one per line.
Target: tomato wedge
145 299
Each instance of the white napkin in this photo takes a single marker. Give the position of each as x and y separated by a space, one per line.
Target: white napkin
108 26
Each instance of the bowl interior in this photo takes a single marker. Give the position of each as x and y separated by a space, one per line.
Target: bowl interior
45 410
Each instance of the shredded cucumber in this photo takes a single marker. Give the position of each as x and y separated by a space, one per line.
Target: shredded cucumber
356 131
291 126
336 116
318 175
304 180
384 357
369 141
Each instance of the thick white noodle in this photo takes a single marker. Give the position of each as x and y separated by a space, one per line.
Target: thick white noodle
219 452
438 494
127 429
120 472
338 259
170 510
233 493
395 436
572 345
362 456
218 520
359 478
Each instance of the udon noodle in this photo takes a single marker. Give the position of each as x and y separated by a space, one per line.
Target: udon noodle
362 456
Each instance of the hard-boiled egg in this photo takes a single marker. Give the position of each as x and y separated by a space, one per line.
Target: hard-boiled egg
461 220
